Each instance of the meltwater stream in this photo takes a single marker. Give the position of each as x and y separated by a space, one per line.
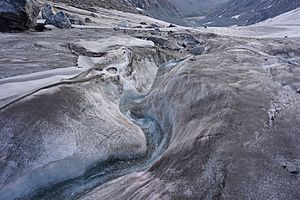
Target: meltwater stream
112 168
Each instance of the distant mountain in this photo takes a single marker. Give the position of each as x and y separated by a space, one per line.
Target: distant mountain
160 9
247 12
195 8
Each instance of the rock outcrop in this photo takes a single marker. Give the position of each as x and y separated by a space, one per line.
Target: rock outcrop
58 19
18 15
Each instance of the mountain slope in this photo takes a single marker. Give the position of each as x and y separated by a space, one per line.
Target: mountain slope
193 8
159 9
248 12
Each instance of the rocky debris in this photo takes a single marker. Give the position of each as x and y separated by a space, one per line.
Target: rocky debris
75 19
18 15
124 24
40 27
88 20
178 41
187 40
153 26
164 43
59 19
138 26
157 29
94 15
291 168
47 11
197 50
171 26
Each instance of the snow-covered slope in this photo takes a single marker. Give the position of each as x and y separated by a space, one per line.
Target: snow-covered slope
281 26
247 12
291 18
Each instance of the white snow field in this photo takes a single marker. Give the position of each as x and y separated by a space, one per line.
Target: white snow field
284 25
291 18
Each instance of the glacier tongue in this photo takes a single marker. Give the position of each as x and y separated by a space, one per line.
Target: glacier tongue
98 112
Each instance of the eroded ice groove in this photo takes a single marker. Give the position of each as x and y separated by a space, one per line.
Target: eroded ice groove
72 141
209 107
115 167
69 171
111 168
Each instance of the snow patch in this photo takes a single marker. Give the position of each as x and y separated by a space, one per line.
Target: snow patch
235 17
208 23
139 9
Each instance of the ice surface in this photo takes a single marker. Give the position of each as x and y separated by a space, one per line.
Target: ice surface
15 87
